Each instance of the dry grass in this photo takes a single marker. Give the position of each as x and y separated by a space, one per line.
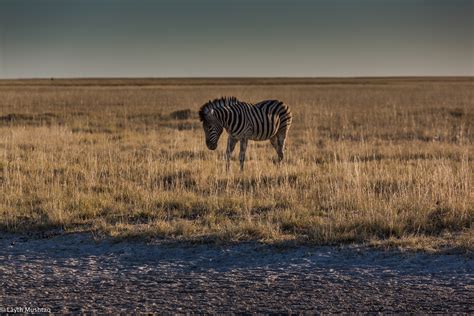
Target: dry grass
368 161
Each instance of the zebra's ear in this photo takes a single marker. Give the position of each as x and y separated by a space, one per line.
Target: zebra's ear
209 111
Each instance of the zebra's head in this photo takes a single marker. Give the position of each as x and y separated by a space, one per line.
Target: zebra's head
211 125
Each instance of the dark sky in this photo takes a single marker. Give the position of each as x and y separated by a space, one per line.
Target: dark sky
189 38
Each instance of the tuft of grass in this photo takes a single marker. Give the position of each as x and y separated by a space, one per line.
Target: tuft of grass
386 162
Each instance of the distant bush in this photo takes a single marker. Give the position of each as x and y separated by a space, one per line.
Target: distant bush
181 114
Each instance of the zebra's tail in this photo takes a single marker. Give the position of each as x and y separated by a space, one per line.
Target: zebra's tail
286 117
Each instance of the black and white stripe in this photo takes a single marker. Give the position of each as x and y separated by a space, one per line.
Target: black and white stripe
266 120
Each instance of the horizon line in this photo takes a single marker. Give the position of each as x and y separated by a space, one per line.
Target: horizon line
242 77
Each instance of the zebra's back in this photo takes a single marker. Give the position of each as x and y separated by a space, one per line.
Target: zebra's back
268 118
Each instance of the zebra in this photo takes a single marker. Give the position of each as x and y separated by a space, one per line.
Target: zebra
266 120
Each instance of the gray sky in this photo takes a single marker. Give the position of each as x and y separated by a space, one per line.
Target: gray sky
189 38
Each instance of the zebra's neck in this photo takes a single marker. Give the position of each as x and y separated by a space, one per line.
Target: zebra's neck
221 109
223 102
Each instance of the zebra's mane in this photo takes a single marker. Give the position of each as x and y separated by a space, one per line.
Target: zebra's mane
216 102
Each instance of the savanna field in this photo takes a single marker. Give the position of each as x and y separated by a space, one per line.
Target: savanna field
377 161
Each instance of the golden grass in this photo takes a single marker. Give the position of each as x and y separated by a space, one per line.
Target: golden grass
367 161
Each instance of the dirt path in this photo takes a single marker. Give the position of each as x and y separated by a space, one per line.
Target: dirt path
74 273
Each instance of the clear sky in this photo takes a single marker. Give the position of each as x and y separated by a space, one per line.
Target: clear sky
190 38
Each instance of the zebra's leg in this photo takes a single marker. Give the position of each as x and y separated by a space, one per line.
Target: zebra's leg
281 138
243 149
274 142
231 142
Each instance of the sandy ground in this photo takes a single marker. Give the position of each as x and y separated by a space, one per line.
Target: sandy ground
72 273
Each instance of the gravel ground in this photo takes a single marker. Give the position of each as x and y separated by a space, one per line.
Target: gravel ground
74 273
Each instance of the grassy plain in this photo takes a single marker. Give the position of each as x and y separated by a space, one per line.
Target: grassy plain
381 161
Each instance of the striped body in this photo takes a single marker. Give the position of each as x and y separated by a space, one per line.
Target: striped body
266 120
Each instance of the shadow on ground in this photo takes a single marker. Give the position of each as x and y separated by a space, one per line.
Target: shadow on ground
73 273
